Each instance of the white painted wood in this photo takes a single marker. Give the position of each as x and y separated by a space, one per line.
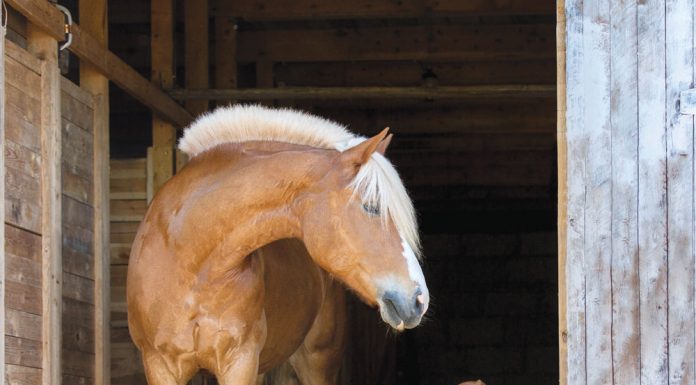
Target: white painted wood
598 199
624 185
652 195
679 70
2 190
687 102
576 154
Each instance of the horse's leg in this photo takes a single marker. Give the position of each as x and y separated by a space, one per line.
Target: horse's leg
319 358
158 373
243 371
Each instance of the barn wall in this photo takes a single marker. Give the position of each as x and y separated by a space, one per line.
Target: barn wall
77 110
24 260
627 219
128 205
23 205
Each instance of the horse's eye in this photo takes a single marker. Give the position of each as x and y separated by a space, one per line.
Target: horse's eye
371 209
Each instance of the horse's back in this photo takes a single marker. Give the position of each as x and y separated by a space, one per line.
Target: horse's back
294 292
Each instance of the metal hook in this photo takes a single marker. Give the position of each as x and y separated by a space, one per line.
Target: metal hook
68 27
4 16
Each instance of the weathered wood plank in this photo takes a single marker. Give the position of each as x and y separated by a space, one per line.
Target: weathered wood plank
597 90
76 186
162 56
24 103
652 195
77 149
78 338
20 129
624 223
77 363
679 75
576 179
80 313
77 214
21 76
75 110
22 375
23 352
79 251
562 197
78 288
22 270
23 297
76 93
22 244
23 325
45 47
21 55
22 159
98 85
23 204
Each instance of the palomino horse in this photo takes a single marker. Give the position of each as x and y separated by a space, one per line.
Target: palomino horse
233 266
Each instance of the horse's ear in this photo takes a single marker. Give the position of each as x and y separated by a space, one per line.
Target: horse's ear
361 153
384 144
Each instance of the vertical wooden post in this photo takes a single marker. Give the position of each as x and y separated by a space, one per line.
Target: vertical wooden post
96 83
2 189
225 49
562 190
46 48
162 51
196 51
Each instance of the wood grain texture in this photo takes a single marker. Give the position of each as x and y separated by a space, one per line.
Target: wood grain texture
98 85
577 151
45 47
679 75
625 336
598 190
562 199
652 194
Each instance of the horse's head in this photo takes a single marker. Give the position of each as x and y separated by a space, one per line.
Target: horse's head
358 224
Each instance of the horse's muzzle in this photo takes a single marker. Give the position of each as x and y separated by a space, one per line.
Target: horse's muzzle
402 311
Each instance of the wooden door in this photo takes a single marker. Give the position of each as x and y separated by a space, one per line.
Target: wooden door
626 192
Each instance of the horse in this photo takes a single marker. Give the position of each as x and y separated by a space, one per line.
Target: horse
240 262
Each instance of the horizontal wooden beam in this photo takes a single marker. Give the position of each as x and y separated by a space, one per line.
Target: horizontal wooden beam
295 93
137 11
87 48
370 9
420 42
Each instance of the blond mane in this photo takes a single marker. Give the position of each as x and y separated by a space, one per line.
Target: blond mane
377 181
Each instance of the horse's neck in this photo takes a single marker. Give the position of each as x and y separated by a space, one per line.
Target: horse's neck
237 202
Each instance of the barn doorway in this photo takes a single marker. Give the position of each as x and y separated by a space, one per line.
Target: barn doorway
480 166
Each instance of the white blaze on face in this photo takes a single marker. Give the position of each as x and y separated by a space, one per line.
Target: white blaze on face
415 272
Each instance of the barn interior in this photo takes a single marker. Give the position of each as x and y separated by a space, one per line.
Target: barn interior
467 88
